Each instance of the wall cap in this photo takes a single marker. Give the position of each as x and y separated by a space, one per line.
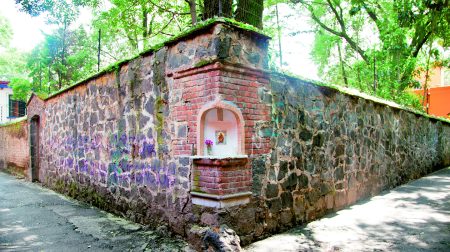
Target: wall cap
356 93
199 27
221 197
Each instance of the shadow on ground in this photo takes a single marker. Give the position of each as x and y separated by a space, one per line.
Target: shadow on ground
33 218
412 217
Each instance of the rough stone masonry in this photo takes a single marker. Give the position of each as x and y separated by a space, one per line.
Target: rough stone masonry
126 140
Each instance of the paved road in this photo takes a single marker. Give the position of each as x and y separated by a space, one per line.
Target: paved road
413 217
36 219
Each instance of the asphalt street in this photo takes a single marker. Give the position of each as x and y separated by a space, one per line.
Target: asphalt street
33 218
412 217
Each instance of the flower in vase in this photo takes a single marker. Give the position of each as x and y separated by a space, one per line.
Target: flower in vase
209 144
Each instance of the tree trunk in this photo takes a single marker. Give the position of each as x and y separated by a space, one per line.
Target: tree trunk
40 75
63 57
374 75
341 60
144 23
144 26
250 12
193 11
217 8
425 85
279 38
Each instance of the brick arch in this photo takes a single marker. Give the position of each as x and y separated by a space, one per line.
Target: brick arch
226 105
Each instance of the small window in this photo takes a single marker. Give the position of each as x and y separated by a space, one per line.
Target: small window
16 108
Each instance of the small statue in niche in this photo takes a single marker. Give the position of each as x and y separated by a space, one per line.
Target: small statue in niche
221 137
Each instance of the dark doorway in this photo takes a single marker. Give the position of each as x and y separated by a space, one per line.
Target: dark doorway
34 148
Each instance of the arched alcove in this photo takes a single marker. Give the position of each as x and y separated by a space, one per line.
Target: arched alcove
223 124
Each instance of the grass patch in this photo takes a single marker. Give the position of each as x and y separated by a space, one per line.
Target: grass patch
15 171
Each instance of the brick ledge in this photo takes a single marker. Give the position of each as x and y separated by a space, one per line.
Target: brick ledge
220 201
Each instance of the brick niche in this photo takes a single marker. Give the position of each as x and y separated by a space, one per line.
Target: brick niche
220 180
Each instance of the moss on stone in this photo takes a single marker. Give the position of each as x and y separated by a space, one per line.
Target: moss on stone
200 26
41 95
204 62
16 130
115 67
196 183
159 122
83 193
183 35
365 96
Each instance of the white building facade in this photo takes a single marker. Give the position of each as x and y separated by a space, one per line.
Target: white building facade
9 109
5 92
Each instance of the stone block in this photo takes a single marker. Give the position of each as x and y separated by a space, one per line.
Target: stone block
286 199
340 200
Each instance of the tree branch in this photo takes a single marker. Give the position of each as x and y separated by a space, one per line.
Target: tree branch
324 26
341 33
373 16
338 17
161 31
167 10
420 44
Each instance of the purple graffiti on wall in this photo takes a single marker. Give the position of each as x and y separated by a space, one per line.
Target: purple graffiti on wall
118 164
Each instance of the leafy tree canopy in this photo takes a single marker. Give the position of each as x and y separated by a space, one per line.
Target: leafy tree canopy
405 31
376 46
5 32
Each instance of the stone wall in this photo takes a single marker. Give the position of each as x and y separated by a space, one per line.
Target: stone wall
330 149
123 140
14 150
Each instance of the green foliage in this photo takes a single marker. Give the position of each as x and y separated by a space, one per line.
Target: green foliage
64 57
378 46
129 27
322 49
5 32
21 88
56 11
273 28
68 54
12 64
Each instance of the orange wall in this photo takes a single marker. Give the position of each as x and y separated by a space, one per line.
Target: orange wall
438 99
436 78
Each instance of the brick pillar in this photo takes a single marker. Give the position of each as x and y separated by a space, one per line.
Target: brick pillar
228 76
220 181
